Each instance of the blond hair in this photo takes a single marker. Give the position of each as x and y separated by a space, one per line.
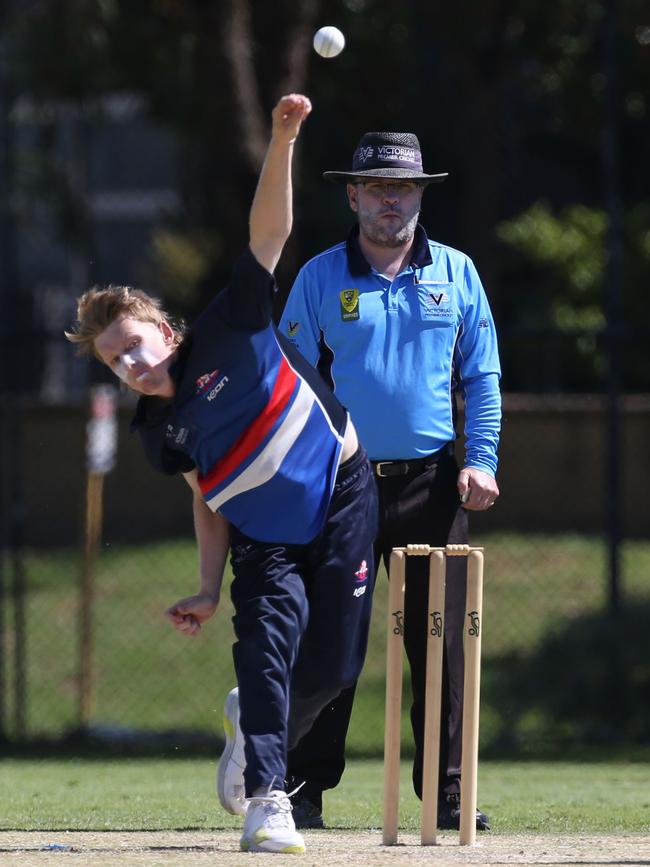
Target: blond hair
98 308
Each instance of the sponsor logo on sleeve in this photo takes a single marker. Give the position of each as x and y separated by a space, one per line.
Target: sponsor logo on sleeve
349 299
209 385
205 382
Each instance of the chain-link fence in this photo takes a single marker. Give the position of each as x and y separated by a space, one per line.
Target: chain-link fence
93 189
561 662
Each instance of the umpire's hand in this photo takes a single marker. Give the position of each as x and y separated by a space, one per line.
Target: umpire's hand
477 489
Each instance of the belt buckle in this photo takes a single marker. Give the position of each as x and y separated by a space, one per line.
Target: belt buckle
382 475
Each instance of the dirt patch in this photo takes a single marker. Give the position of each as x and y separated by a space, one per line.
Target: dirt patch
342 849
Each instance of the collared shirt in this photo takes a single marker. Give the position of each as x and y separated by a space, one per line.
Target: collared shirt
395 351
261 428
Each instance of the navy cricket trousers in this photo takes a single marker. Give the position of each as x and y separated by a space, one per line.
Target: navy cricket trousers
302 614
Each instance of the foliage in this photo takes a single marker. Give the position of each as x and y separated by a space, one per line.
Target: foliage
568 250
571 245
179 261
521 108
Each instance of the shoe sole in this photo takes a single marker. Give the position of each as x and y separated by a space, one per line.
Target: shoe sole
249 846
231 728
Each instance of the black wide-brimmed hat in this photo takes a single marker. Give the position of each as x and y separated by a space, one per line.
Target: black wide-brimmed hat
387 155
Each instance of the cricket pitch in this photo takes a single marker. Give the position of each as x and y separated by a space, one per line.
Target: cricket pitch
331 847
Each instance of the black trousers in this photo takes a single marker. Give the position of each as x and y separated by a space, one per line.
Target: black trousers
421 507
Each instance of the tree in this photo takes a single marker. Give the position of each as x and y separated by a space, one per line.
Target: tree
507 95
206 71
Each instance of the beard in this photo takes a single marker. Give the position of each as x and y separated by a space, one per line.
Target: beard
383 234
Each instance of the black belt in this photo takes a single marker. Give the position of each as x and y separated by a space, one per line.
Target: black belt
384 469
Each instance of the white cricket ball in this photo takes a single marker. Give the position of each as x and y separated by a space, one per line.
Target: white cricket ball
329 42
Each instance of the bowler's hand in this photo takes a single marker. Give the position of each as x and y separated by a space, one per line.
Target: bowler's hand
188 614
479 487
288 116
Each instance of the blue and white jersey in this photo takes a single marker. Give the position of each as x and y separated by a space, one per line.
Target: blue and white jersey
395 351
260 426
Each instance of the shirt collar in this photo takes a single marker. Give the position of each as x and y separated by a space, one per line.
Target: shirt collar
359 265
151 409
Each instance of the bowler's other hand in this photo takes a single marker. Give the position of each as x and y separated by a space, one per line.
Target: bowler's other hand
481 487
188 614
288 116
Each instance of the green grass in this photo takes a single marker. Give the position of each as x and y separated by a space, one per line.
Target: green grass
147 677
179 795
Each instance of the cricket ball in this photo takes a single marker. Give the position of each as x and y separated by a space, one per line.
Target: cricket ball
329 41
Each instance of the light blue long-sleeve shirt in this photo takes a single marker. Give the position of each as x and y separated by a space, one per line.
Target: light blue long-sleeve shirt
395 351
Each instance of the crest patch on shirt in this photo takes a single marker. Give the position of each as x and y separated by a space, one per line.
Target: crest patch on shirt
438 298
435 303
349 299
292 328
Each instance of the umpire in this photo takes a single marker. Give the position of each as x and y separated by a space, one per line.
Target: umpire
399 325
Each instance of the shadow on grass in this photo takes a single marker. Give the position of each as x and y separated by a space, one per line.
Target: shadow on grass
585 689
584 693
105 742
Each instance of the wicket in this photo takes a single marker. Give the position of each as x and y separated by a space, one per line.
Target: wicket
471 690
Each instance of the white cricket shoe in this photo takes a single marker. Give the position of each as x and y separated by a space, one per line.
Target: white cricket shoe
231 790
269 826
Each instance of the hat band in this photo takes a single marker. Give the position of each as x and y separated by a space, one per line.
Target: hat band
387 156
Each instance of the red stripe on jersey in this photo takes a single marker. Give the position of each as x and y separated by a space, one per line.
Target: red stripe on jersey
256 432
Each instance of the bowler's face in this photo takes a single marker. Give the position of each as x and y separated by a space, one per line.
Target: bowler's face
387 209
139 353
